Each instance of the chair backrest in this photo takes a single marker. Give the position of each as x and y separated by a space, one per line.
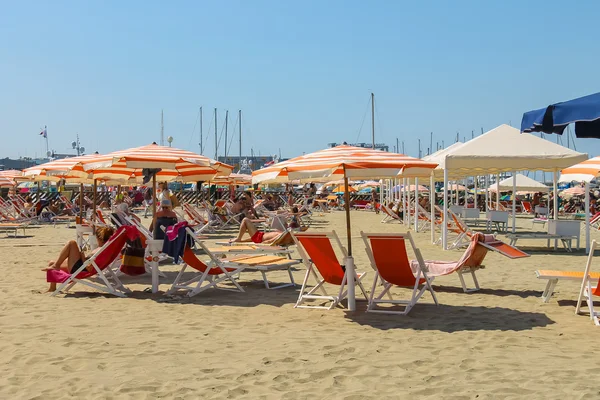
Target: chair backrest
459 222
527 206
108 253
389 212
317 248
388 256
475 253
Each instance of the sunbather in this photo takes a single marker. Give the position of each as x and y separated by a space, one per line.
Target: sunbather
163 217
256 236
71 258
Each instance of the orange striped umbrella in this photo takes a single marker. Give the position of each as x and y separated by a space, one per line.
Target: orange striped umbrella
175 165
11 173
233 179
357 162
6 182
583 172
70 169
345 162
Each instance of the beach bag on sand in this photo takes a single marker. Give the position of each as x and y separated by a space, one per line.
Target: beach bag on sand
133 258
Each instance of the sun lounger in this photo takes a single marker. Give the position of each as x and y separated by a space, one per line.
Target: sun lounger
317 254
100 262
389 215
13 227
565 239
389 258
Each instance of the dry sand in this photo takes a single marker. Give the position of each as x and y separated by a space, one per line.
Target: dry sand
501 342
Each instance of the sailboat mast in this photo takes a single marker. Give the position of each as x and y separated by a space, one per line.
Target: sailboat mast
162 129
201 146
373 117
240 119
216 139
226 118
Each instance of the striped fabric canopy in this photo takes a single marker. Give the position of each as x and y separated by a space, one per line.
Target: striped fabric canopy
573 191
6 182
585 171
69 169
358 162
11 173
175 165
233 179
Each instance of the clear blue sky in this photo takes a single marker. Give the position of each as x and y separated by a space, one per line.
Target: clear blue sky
301 72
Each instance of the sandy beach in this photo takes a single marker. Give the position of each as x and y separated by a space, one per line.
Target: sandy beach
500 342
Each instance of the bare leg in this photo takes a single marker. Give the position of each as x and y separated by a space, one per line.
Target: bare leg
69 253
245 227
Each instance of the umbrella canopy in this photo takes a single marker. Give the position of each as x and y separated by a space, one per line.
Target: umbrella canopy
11 173
340 189
584 112
454 187
233 179
175 165
585 171
368 184
6 182
357 162
337 182
573 191
65 168
524 184
410 188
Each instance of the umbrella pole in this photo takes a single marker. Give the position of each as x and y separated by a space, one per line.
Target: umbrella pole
432 206
445 216
81 203
497 192
153 194
416 204
349 262
587 218
94 205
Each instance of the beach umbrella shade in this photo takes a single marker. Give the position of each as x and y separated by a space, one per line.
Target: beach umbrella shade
584 112
347 162
454 187
11 173
158 162
368 184
70 169
340 189
573 191
233 179
6 182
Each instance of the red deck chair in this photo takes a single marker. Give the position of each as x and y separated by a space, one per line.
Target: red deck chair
527 207
318 254
389 259
100 262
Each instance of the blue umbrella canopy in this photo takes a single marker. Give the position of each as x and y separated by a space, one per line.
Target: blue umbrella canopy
584 112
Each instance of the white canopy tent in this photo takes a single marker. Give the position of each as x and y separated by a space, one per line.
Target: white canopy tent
506 149
524 184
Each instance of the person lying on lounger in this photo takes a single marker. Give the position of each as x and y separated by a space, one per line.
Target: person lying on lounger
256 236
71 258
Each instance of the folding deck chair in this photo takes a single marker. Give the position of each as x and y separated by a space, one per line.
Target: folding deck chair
317 253
101 262
389 259
587 292
389 215
553 276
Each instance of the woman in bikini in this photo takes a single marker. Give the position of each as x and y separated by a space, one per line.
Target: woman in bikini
71 258
256 236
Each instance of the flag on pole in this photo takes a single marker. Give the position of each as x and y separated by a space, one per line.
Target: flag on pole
44 133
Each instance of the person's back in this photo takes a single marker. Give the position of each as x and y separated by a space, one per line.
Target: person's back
163 222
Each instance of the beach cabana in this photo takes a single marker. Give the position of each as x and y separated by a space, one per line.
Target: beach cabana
506 149
524 184
347 162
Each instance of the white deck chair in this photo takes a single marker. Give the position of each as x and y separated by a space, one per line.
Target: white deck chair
389 215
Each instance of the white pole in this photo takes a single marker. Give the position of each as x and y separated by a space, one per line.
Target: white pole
456 191
445 216
514 202
416 204
555 183
381 188
475 190
486 182
497 192
432 206
466 191
587 218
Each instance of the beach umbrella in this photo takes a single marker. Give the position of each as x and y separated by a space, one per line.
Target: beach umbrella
155 162
573 191
347 162
70 168
368 184
6 182
340 189
584 112
233 179
454 187
11 173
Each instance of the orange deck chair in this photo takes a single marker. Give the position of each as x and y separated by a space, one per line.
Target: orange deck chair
389 258
318 254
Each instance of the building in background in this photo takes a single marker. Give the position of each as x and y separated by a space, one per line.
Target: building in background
378 146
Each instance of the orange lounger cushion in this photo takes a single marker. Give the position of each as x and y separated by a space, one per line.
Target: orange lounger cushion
574 275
